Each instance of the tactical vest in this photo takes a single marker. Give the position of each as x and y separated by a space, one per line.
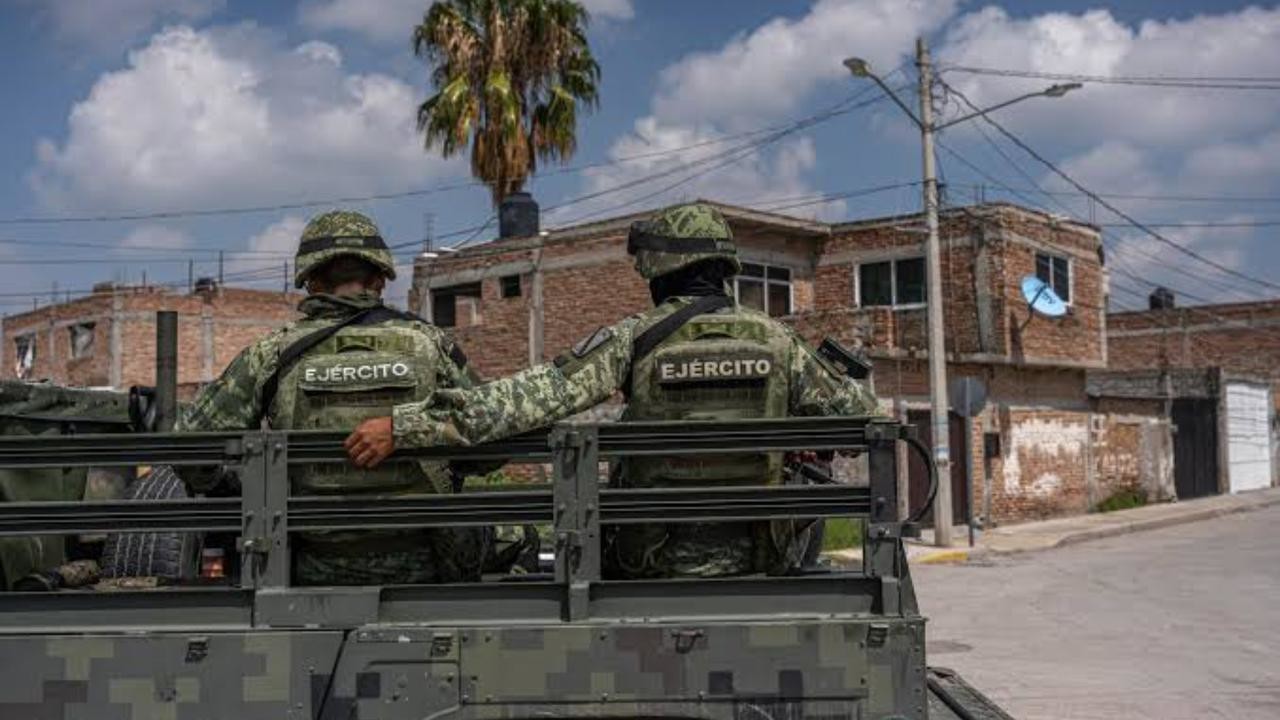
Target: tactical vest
726 365
360 372
729 365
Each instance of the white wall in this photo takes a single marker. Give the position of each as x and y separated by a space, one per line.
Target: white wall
1248 436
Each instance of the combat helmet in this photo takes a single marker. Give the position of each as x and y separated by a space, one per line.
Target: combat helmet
679 237
338 233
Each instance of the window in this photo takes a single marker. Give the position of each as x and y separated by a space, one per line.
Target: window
445 304
766 288
81 340
892 283
510 286
25 355
1056 272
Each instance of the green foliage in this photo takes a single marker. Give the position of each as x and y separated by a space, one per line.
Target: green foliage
510 76
842 533
1124 499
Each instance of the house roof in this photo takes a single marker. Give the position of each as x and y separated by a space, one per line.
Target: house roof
736 214
750 217
978 210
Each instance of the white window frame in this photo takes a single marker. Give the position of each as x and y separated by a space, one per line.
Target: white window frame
893 283
767 281
1071 273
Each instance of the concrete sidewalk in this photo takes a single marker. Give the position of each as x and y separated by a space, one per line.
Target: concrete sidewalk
1030 537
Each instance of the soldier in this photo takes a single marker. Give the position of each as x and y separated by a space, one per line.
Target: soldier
350 358
697 355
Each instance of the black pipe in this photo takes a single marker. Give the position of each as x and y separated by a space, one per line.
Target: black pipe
166 370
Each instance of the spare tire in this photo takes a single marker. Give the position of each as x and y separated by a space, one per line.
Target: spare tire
170 555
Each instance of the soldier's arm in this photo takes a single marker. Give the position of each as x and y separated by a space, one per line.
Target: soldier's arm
454 369
581 378
232 402
819 388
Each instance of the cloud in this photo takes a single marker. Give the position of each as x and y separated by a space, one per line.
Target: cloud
392 21
768 72
753 79
1096 43
744 176
380 20
107 26
231 115
155 237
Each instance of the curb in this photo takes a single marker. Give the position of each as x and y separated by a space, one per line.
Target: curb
1134 526
942 557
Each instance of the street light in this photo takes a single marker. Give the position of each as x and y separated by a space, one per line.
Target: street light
933 264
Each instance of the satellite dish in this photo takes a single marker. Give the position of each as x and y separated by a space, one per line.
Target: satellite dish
1041 298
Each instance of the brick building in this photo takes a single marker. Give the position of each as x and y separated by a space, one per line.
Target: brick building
1236 337
526 297
107 338
1214 371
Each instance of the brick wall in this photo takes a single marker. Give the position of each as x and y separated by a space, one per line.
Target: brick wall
234 318
985 254
1238 337
1042 470
587 282
1134 453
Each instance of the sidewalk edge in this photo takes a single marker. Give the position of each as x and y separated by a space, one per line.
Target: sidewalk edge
1133 526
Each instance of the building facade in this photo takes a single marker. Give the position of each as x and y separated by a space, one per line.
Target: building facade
518 301
107 338
1241 338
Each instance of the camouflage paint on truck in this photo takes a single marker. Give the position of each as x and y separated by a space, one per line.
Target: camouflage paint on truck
809 669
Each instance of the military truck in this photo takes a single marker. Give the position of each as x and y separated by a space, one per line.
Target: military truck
44 409
825 643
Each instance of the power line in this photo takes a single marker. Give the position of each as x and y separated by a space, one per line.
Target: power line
1205 82
709 164
1109 240
1167 198
1110 206
1207 224
304 204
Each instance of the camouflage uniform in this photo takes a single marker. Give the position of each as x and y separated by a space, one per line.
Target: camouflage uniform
314 393
600 365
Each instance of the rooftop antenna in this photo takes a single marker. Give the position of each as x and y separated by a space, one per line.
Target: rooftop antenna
428 232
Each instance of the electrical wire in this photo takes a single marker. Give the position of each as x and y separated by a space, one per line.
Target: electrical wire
374 197
1110 206
1205 82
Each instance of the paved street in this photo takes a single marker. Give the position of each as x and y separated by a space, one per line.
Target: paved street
1182 622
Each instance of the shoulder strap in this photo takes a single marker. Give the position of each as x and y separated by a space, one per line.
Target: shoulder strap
652 337
291 354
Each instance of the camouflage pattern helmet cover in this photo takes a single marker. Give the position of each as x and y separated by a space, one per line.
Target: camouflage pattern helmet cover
340 233
679 237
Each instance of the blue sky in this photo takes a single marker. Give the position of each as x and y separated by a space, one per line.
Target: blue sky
136 107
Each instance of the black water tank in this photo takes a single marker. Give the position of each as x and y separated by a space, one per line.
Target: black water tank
518 216
1160 299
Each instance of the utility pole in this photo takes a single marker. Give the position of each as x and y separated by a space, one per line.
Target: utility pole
933 285
219 268
940 424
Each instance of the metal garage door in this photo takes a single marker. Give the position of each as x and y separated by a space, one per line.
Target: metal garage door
1248 424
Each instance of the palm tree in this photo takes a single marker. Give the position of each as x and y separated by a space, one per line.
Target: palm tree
509 76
